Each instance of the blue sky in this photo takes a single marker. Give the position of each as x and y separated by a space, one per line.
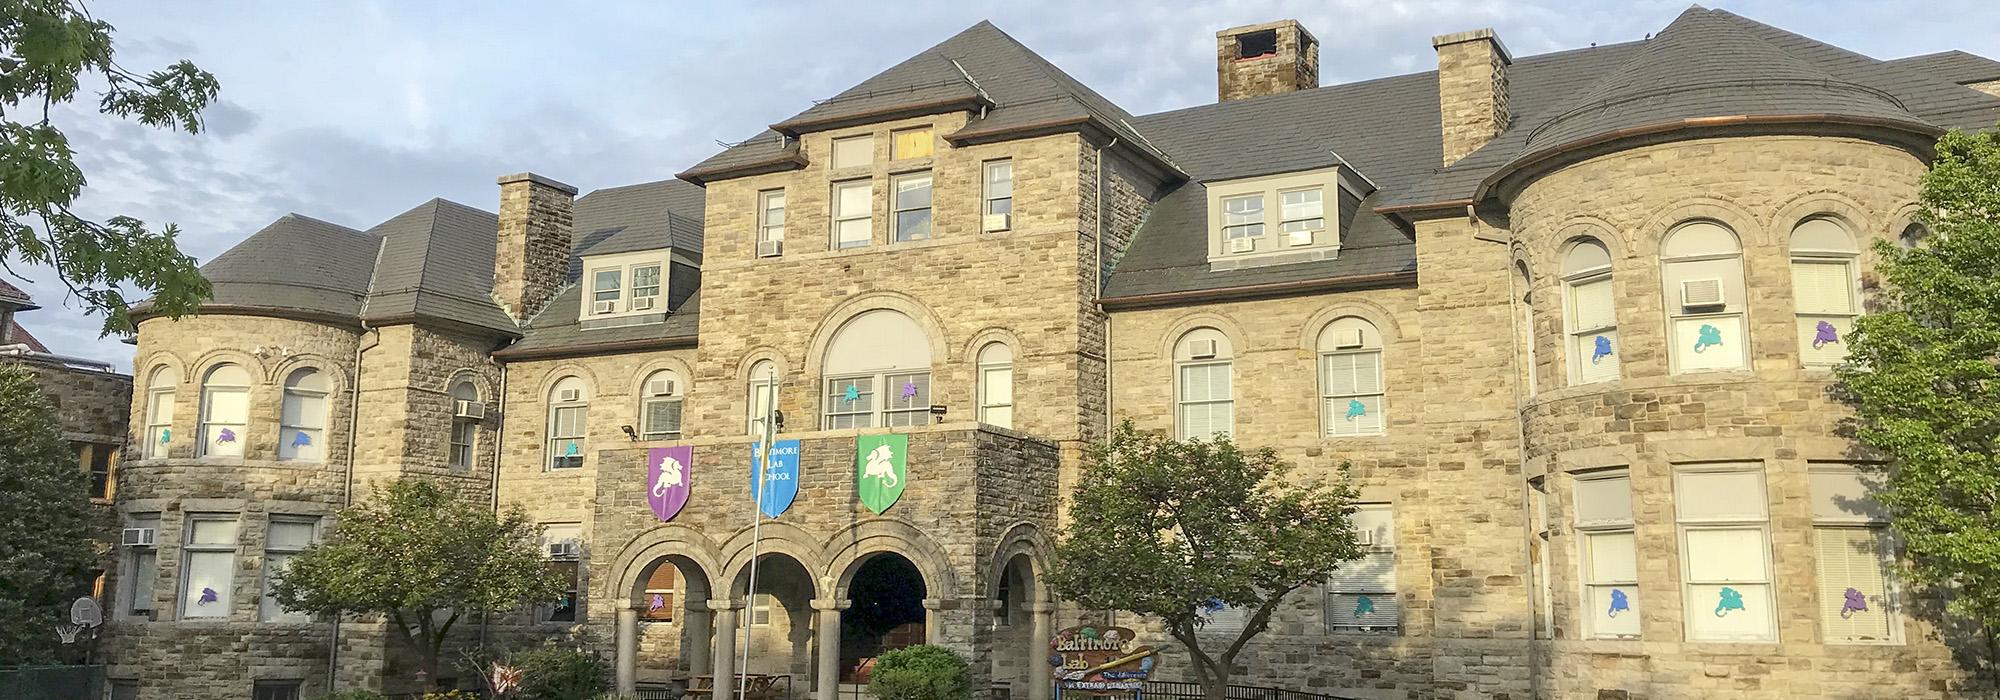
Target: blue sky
354 112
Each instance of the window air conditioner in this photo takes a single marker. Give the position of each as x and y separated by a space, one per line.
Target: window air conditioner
604 307
997 222
564 550
1202 349
642 303
1242 245
770 249
1702 292
569 395
463 408
1348 338
660 387
1365 538
1298 238
138 537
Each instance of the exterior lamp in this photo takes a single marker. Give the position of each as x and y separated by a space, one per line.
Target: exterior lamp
937 411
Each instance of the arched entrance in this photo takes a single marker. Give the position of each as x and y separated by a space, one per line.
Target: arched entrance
885 612
777 622
665 630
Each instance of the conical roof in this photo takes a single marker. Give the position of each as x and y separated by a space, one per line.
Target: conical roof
297 262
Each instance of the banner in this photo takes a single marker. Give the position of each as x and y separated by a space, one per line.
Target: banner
1100 661
880 472
780 478
667 472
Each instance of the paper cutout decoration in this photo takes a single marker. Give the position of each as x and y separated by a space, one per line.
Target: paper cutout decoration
669 473
301 439
166 435
1825 333
1363 606
1708 335
226 435
1855 602
208 595
1208 607
1619 603
1355 409
909 389
880 469
572 450
1727 601
1601 349
852 394
656 602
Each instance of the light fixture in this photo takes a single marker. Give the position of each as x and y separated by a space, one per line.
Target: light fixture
937 411
630 434
778 418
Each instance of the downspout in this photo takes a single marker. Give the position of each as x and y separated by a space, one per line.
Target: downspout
1527 506
1097 284
347 496
499 440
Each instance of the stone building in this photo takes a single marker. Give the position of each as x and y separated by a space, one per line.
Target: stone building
1569 316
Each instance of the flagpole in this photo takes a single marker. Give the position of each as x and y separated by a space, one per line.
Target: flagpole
761 468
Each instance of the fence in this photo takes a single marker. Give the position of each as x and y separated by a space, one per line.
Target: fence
51 682
1176 690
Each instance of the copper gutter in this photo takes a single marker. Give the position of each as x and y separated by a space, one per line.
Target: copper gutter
1326 284
793 127
512 355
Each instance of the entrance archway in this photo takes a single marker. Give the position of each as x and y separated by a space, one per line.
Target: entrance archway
779 619
886 611
671 635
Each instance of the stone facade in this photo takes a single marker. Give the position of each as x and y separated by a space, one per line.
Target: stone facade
1472 90
1265 59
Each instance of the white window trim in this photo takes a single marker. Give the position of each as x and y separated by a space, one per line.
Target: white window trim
155 421
545 614
1332 182
632 287
1326 396
986 198
833 149
618 292
1577 339
318 432
1180 402
1587 529
1851 261
1670 296
879 414
1263 226
270 549
582 437
470 445
766 231
985 404
1892 589
1394 594
646 402
1282 220
896 208
1683 525
209 390
757 384
189 549
130 596
838 216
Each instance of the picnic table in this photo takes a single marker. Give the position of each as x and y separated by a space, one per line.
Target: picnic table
759 687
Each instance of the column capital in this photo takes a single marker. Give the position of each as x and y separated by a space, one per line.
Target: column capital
626 604
1040 607
939 603
831 604
720 604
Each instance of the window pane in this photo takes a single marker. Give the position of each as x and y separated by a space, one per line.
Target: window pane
1374 572
663 418
211 532
1604 500
913 202
1854 565
269 610
997 383
606 284
145 566
646 281
853 233
1356 612
228 406
1737 495
999 181
1300 205
1709 343
1726 556
854 151
1846 495
1353 415
1613 557
1733 612
1595 356
1823 287
1614 610
208 585
912 391
289 534
1592 306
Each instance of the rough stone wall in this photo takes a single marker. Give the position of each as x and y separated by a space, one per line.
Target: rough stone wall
1649 421
92 407
1472 91
407 373
1295 66
1991 87
532 258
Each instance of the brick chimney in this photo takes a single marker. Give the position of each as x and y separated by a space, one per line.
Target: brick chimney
1472 90
531 260
1265 59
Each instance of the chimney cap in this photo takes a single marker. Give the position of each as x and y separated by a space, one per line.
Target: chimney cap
1274 24
1442 40
538 180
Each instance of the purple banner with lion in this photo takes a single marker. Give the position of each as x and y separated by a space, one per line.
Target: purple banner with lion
667 472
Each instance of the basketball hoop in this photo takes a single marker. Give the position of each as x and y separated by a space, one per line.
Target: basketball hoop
69 633
85 612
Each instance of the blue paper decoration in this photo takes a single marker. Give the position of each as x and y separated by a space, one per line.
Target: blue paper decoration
1355 409
301 439
852 394
1619 603
1823 334
1727 601
226 435
1601 349
572 450
1363 605
208 595
166 435
1854 602
1708 335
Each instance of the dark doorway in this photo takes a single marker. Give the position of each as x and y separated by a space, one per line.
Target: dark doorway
887 612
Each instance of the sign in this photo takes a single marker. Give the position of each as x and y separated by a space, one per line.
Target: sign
779 479
668 470
880 470
1100 661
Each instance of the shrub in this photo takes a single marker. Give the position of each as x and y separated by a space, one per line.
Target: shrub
558 673
922 672
354 695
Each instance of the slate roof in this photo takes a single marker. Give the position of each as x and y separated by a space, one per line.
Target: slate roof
296 263
647 216
557 330
437 262
1956 66
15 334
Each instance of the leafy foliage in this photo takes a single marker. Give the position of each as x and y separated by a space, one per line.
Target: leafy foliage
921 672
1162 527
425 558
558 672
1922 376
45 555
47 50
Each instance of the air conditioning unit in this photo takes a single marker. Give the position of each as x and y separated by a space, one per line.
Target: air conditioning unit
642 303
463 408
604 307
997 222
138 537
1348 338
660 387
1702 292
569 395
1365 538
1299 238
1202 348
565 550
1242 245
770 249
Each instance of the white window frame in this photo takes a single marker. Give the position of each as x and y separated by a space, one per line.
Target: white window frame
1684 524
1285 220
1875 526
897 208
841 216
1736 310
616 290
546 613
1181 402
1580 340
759 611
990 202
1336 618
1588 534
209 391
275 556
556 409
190 549
834 146
160 397
659 281
993 373
885 404
771 216
1808 319
1245 226
647 400
1333 406
463 442
761 391
142 570
287 426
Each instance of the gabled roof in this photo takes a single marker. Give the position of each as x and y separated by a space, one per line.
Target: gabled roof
1956 66
12 296
296 263
437 262
649 216
15 334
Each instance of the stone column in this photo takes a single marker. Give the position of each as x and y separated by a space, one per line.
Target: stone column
628 648
826 675
1041 630
934 622
725 649
699 637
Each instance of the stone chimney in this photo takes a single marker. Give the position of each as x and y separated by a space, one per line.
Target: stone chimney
1265 59
531 259
1472 90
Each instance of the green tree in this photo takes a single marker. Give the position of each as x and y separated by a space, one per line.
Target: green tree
1922 377
424 558
48 50
46 555
1166 528
921 672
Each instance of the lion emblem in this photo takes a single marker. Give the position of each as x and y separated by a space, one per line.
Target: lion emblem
881 465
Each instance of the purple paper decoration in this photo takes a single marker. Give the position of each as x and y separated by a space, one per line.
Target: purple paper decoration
1855 602
208 595
668 471
655 602
909 389
226 435
1823 334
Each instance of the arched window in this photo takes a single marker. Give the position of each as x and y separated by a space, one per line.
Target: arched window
763 394
161 387
569 412
996 385
660 406
1825 289
1913 235
1525 335
465 404
1351 390
302 426
1590 320
1702 279
878 372
1203 403
225 411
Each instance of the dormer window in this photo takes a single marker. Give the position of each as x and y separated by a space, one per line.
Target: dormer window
1242 222
1303 217
606 287
645 288
1302 210
623 289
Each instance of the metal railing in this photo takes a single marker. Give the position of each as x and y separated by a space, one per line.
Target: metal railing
77 682
1179 690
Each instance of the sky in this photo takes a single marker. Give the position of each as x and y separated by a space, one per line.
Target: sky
354 112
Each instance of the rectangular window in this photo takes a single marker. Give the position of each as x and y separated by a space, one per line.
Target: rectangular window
760 610
911 143
999 188
159 421
276 690
910 400
913 206
1723 521
606 287
225 418
208 580
1205 404
566 437
285 538
853 151
850 402
464 433
142 565
852 226
1361 594
1607 555
660 588
1855 557
1242 217
770 223
1348 378
1301 215
761 391
97 460
1593 330
646 288
996 395
1823 288
662 418
302 424
563 545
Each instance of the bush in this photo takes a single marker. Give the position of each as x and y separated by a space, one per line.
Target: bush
558 673
922 672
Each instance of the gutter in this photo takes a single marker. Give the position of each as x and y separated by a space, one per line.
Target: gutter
794 127
1327 284
669 343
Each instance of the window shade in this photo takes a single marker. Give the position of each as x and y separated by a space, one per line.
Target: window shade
1823 287
1606 500
1853 584
1720 495
1592 305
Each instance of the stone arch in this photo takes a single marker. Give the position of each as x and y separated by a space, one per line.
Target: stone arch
1728 213
666 541
859 542
334 371
917 311
548 380
1021 539
636 384
259 372
488 391
142 369
970 350
1201 319
1383 320
1549 248
760 354
1825 204
773 538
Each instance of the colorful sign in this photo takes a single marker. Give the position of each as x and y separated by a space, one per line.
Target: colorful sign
668 471
1100 661
880 469
776 485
